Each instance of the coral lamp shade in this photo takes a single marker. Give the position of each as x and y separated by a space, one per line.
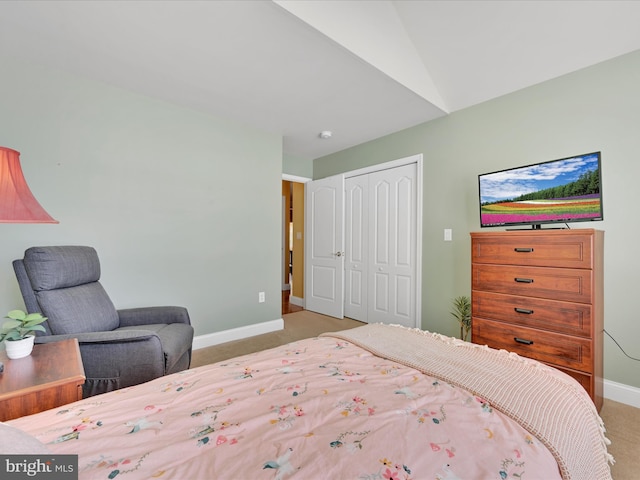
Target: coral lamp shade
17 203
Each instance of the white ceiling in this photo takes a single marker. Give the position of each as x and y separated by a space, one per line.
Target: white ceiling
361 68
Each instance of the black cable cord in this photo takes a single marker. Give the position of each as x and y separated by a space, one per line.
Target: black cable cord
622 349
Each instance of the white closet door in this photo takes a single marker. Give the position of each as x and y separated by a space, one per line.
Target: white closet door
324 290
392 266
374 276
356 247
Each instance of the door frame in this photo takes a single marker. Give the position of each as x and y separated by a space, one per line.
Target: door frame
418 160
285 228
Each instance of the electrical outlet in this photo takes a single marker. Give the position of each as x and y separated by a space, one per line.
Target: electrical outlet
261 297
448 235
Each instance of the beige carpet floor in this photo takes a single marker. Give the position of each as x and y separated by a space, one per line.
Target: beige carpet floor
297 326
622 421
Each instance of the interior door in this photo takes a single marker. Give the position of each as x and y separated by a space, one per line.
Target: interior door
356 227
392 233
324 218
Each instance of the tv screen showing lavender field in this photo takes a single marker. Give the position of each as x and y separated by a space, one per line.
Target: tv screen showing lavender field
565 190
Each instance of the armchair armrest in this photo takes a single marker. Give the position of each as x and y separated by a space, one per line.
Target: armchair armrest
115 336
130 317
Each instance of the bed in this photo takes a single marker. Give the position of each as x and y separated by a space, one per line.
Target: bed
374 402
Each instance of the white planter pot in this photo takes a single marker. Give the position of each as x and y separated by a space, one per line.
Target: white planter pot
19 348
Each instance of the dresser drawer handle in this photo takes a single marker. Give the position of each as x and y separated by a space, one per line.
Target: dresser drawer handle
523 250
523 341
523 310
523 280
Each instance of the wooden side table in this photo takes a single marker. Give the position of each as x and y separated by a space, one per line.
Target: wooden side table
51 376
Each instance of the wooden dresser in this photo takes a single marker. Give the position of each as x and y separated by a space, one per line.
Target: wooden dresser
540 294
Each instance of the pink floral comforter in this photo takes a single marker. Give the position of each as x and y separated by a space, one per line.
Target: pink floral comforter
321 408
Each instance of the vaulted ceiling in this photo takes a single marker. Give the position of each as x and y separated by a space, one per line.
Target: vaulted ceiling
361 69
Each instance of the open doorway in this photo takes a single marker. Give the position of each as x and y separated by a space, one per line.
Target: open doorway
293 243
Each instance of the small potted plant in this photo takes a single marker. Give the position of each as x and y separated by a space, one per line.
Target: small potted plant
462 312
18 333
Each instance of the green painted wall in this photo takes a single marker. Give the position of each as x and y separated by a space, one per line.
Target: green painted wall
597 108
297 166
182 207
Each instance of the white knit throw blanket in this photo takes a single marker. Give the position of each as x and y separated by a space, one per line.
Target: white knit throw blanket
550 405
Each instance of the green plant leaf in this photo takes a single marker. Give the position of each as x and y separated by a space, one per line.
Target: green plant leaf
35 321
16 315
11 324
13 335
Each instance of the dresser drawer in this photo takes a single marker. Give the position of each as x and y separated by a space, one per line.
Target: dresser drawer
562 317
565 284
565 249
547 347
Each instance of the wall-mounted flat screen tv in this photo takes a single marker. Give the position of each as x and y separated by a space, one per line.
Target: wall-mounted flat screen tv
555 191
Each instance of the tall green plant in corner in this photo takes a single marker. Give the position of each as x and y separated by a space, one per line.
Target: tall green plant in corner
462 313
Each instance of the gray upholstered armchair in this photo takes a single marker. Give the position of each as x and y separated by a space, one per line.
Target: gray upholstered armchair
119 348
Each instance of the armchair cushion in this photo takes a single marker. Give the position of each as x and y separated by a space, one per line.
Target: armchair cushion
50 268
85 308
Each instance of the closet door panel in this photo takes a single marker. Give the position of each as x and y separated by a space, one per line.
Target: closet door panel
404 222
381 298
393 219
380 218
404 307
356 248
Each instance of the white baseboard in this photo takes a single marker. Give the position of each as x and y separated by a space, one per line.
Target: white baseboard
210 339
296 301
619 392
